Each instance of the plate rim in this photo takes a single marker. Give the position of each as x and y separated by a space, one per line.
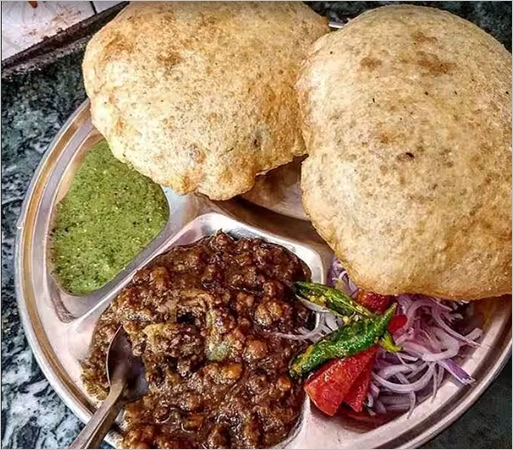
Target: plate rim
48 362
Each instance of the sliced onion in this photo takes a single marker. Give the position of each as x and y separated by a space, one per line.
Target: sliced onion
406 336
312 306
430 340
421 383
437 380
404 357
332 322
382 363
444 306
452 316
411 311
393 370
374 390
441 372
440 322
476 333
353 289
448 342
455 370
379 408
334 271
429 343
411 395
404 302
420 368
326 330
416 349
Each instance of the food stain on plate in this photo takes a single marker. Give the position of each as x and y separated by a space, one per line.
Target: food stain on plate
110 213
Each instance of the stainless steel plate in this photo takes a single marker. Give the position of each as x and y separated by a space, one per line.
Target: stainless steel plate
59 326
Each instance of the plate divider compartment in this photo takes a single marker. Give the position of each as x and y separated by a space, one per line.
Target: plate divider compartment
202 226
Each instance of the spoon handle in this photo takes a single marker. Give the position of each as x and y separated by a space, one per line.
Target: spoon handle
95 430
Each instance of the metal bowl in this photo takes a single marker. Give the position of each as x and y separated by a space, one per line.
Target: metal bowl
59 326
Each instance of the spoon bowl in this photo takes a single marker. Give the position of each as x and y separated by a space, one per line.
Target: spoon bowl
125 369
127 383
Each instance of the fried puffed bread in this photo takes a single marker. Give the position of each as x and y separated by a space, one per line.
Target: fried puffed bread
200 96
407 122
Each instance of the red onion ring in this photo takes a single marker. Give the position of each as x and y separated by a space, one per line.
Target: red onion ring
440 322
456 371
391 371
411 395
448 342
421 383
476 333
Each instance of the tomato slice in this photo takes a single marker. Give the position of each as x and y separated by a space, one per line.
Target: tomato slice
328 386
396 323
348 380
357 395
375 302
324 390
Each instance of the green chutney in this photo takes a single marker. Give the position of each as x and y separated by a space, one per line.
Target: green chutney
110 213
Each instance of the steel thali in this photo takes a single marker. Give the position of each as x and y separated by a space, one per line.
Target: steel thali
59 326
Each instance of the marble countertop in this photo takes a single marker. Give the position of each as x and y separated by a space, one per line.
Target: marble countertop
34 107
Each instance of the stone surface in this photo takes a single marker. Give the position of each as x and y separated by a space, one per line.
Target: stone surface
34 107
493 17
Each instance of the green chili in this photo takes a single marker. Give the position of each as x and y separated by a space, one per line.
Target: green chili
336 301
342 305
346 341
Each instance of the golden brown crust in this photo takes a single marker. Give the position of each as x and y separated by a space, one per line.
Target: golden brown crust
407 121
199 96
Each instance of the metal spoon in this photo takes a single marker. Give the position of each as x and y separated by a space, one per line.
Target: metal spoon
125 373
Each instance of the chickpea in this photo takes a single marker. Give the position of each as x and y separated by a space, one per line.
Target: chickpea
232 371
218 438
283 383
190 402
255 350
141 437
193 422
